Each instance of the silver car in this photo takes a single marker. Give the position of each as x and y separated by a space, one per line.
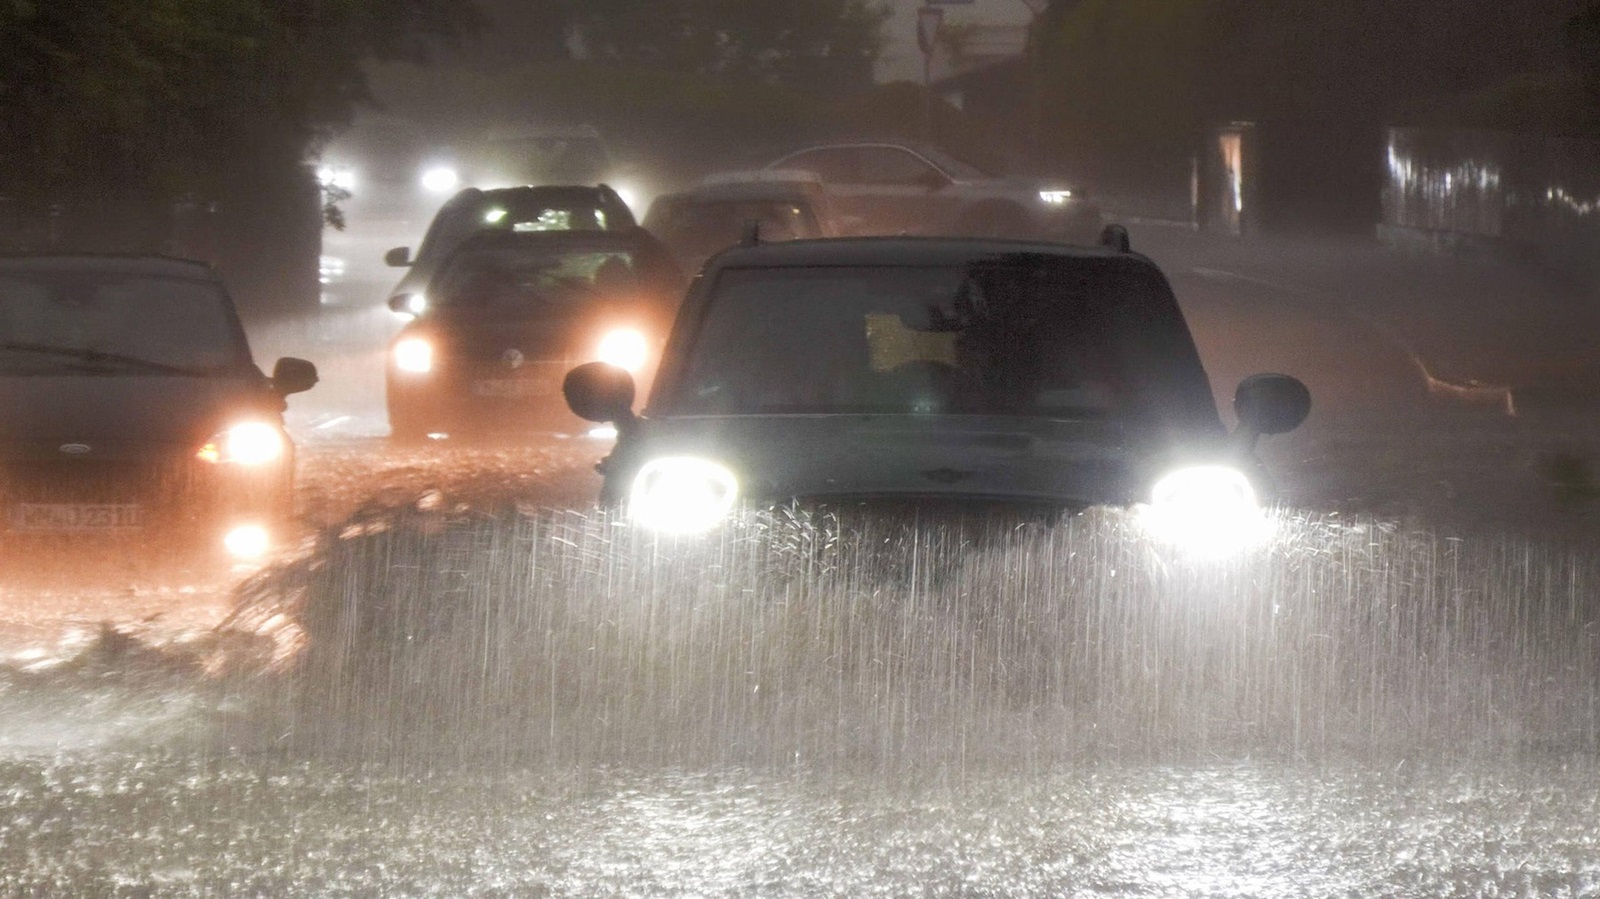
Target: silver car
896 188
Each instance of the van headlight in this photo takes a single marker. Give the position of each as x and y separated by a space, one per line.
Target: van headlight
413 355
626 348
248 443
1210 509
682 495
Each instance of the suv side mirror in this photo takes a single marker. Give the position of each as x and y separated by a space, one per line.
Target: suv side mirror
596 391
1270 404
399 257
291 375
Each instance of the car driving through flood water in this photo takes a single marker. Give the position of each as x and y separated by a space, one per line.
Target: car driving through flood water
133 412
505 316
979 372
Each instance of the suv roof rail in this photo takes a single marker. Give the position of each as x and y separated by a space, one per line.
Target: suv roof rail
759 176
1115 237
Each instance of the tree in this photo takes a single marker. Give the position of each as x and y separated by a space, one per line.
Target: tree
149 101
821 45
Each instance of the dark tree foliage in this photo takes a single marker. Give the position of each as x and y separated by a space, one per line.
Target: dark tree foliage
1124 80
818 45
1582 34
154 100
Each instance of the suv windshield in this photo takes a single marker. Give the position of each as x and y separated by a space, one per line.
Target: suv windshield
1016 335
127 324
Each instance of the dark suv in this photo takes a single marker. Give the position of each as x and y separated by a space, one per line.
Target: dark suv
132 411
907 369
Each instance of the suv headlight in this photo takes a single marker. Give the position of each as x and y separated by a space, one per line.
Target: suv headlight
1211 509
414 355
682 495
248 443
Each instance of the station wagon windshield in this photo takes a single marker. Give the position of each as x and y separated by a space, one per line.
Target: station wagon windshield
519 279
1014 336
116 323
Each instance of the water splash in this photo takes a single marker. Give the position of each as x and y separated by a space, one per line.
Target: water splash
428 636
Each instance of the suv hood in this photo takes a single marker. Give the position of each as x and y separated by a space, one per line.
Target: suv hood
124 415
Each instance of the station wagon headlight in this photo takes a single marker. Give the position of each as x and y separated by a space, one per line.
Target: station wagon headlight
1055 197
247 443
1211 509
682 495
626 348
414 355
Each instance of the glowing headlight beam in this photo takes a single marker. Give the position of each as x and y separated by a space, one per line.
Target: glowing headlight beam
440 179
626 348
246 443
682 495
1055 197
1208 509
414 355
247 541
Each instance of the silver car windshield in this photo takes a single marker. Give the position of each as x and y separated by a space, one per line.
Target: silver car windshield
116 323
1017 335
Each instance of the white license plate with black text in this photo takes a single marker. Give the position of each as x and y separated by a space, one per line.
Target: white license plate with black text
73 517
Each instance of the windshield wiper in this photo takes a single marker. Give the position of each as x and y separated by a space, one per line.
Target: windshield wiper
97 356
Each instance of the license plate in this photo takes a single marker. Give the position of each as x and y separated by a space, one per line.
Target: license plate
68 517
512 388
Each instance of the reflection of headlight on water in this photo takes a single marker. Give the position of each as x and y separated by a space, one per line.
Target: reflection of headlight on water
626 348
682 495
1211 510
440 179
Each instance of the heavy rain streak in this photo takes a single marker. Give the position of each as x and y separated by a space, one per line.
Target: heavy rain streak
412 496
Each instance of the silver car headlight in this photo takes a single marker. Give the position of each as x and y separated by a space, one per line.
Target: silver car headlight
248 443
1210 509
682 495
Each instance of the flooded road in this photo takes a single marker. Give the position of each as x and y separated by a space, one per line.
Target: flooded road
460 682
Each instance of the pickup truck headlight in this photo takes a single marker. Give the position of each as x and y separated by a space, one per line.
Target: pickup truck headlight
682 495
1210 509
249 443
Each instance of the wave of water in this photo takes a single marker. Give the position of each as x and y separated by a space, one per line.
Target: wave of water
435 635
